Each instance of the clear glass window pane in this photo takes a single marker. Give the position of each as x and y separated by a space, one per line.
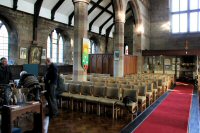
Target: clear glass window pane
4 31
54 35
193 4
193 22
60 50
183 22
199 22
3 41
183 5
175 5
175 23
48 47
199 4
54 52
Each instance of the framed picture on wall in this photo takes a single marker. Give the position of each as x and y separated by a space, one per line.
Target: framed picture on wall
22 53
167 62
35 55
116 55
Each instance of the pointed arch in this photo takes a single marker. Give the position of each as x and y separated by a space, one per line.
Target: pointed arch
12 38
120 10
136 11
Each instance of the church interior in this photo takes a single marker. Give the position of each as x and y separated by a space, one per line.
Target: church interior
123 66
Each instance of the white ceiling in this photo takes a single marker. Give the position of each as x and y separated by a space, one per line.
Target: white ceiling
63 12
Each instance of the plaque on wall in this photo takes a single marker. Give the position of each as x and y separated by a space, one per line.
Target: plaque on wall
167 62
116 55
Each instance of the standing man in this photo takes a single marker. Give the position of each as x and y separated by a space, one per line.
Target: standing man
5 77
50 80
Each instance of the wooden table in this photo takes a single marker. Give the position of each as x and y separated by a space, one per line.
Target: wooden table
11 113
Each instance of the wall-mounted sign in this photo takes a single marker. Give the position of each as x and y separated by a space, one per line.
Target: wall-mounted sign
85 53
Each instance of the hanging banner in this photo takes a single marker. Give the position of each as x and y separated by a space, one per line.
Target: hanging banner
85 53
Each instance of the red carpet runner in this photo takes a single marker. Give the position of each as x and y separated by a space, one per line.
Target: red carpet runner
172 115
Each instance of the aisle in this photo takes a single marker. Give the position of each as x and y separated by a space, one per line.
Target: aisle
172 115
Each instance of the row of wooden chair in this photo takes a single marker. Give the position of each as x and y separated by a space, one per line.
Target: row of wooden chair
100 96
153 87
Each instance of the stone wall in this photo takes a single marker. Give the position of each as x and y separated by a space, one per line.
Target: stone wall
161 36
20 26
145 22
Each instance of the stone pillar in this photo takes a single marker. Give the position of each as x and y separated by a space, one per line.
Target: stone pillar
119 45
80 32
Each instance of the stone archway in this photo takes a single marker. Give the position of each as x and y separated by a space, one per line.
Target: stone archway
120 7
133 21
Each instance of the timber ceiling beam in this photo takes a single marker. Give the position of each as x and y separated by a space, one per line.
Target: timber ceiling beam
70 18
112 16
102 11
55 8
108 30
15 5
37 7
94 6
102 8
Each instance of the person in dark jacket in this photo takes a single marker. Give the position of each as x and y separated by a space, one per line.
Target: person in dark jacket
31 82
50 80
5 78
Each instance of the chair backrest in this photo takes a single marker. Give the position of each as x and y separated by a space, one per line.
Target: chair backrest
69 81
87 83
142 90
121 82
86 90
74 88
150 87
112 92
99 83
99 91
111 81
132 83
66 87
160 82
155 84
111 85
132 93
67 77
125 86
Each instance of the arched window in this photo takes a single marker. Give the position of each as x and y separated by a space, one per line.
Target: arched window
3 40
55 47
